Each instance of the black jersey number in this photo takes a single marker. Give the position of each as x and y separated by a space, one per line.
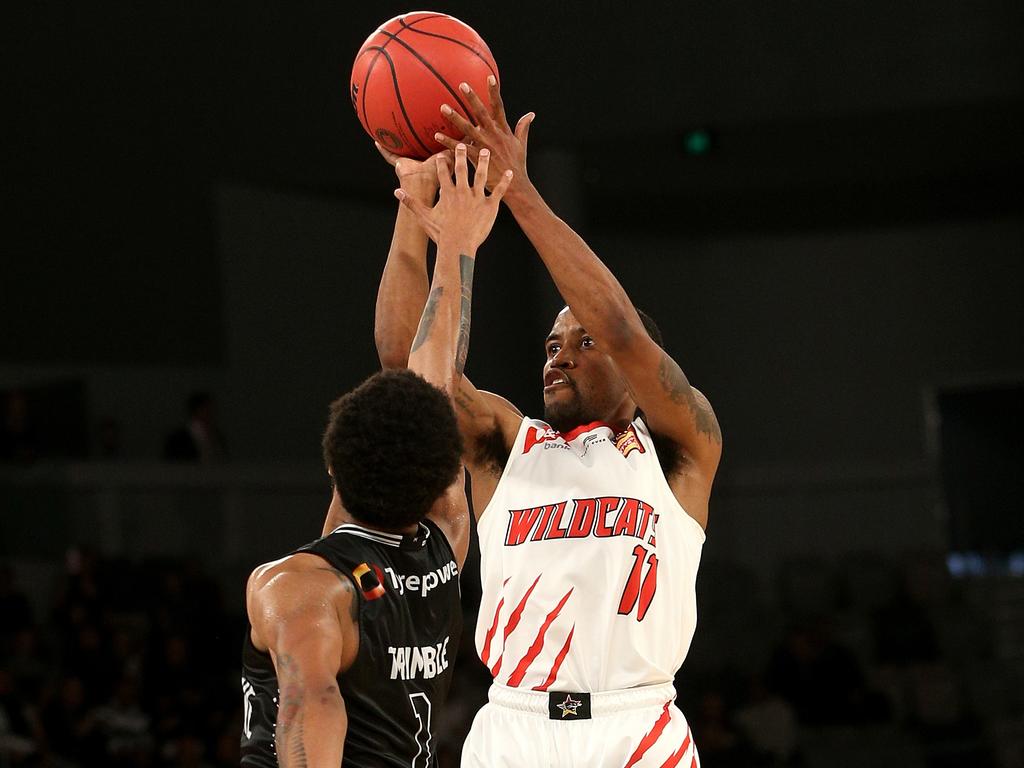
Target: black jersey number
248 694
421 708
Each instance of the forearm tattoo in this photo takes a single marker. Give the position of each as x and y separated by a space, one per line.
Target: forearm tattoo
427 321
466 265
291 751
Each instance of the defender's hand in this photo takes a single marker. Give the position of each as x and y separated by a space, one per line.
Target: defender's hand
417 177
491 132
464 213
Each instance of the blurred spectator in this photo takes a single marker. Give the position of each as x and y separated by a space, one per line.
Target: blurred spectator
189 751
15 610
78 602
903 632
200 439
717 740
28 662
769 726
125 727
70 727
821 679
108 439
18 440
19 733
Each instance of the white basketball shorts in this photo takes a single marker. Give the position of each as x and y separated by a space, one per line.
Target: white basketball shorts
634 728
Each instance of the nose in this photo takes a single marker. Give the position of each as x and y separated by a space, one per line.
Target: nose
563 359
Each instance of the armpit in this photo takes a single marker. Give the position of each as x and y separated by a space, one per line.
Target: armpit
490 451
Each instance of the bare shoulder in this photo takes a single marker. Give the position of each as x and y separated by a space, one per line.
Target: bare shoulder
489 424
501 404
295 584
451 514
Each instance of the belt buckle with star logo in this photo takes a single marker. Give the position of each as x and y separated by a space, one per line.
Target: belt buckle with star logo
564 704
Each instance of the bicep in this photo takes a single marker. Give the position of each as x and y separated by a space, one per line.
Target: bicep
299 620
488 424
451 513
671 406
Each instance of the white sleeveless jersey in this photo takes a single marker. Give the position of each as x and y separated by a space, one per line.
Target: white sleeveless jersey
588 564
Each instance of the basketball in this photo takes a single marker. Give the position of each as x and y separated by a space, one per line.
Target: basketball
407 69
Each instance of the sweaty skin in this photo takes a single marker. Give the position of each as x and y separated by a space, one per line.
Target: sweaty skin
302 612
599 347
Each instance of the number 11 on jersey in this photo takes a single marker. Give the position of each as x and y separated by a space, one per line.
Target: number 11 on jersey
636 594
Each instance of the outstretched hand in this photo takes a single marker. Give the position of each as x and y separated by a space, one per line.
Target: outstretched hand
491 132
417 177
464 213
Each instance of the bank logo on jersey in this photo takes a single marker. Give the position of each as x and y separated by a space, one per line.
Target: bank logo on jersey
418 661
415 584
601 517
535 437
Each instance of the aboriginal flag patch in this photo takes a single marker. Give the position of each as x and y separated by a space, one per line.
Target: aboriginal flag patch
370 580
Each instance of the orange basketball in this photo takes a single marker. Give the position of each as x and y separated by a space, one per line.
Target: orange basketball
407 69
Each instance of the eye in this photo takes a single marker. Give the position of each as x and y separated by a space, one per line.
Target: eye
553 349
587 342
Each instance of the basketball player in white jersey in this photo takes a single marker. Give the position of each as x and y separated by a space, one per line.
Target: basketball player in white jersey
591 520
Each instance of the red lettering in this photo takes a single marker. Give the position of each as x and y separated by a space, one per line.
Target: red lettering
635 595
625 524
520 523
554 531
645 518
545 521
632 589
653 541
582 522
608 505
649 588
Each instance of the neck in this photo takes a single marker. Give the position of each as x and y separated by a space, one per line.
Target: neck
338 515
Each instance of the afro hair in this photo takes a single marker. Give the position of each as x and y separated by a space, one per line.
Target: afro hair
393 446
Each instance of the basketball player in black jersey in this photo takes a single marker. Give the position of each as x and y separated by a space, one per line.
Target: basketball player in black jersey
352 637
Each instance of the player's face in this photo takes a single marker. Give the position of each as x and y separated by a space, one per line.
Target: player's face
581 383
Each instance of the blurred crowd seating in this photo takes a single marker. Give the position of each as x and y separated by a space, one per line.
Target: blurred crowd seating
832 663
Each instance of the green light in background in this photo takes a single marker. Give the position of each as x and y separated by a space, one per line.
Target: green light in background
697 142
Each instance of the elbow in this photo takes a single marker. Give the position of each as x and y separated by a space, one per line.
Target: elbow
391 355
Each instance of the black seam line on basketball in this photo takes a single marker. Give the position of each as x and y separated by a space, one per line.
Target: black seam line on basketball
401 104
369 69
420 20
436 74
381 31
449 39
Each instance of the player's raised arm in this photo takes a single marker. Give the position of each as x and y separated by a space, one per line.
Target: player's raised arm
459 223
404 284
488 423
297 614
403 291
671 406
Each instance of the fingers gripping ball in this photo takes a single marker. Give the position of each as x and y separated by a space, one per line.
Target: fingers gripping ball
407 69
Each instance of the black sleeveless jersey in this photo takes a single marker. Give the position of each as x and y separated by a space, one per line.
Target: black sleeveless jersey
410 621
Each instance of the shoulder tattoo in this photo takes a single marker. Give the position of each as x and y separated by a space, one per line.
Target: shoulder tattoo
348 586
679 391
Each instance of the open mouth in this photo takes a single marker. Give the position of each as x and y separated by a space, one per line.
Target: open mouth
554 380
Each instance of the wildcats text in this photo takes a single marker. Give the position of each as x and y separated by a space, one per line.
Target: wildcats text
600 517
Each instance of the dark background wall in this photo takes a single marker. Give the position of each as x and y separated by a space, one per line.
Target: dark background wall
892 133
191 204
